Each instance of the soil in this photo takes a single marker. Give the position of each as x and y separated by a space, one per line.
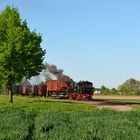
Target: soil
118 107
104 105
111 105
116 97
100 104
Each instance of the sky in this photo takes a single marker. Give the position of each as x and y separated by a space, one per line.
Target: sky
94 40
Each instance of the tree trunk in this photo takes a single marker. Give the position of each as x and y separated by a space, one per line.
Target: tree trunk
10 92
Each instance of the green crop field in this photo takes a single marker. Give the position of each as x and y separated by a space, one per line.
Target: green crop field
37 118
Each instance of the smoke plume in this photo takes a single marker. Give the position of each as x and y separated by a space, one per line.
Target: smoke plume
58 73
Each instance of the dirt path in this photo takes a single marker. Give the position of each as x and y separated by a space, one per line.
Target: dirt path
117 106
116 97
112 105
104 104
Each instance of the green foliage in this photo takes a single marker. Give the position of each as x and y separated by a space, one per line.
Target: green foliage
39 119
113 91
20 51
130 87
104 90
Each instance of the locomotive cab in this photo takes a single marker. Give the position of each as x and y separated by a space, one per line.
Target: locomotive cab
83 91
84 87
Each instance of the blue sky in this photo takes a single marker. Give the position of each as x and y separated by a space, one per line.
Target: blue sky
95 40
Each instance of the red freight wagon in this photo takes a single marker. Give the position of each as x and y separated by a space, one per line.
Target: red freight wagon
24 90
34 90
41 90
56 86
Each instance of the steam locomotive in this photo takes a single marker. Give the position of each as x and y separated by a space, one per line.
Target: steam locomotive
82 90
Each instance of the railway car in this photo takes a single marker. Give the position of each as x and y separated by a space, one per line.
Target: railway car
34 90
83 90
56 88
24 90
41 90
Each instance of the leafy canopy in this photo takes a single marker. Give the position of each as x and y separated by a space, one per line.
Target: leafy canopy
130 85
20 52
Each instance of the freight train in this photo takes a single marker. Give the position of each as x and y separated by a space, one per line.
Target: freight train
82 90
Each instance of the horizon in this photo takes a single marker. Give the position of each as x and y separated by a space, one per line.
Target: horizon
90 40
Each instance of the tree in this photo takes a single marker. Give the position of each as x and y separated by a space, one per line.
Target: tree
130 86
105 90
20 52
123 89
113 91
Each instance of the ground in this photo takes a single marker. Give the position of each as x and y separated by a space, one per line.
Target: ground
102 104
116 97
120 103
118 107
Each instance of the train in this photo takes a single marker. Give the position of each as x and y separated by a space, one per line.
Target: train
83 90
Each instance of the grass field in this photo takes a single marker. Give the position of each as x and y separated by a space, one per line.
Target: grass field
37 118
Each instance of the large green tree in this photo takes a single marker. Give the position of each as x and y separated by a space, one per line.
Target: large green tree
104 90
20 52
130 86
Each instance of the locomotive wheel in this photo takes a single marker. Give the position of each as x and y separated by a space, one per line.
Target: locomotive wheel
78 98
70 97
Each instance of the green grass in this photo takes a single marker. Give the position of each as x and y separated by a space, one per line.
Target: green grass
40 104
37 118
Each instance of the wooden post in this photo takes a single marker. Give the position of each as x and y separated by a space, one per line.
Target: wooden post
10 94
47 93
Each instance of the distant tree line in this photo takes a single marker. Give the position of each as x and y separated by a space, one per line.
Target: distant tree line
129 87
